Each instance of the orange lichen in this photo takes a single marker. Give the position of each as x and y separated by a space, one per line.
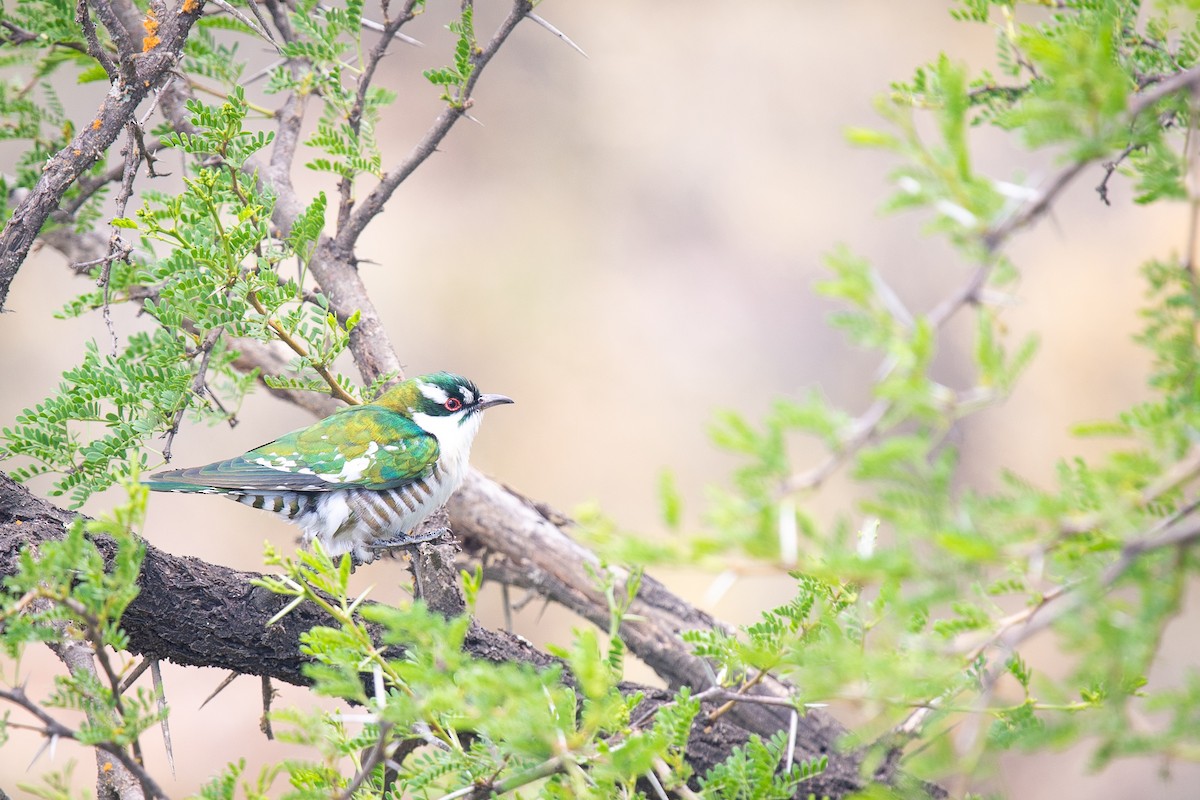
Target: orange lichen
189 6
95 124
150 40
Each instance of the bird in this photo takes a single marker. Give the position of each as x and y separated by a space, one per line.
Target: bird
362 479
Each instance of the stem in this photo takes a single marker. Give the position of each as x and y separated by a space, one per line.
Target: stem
299 349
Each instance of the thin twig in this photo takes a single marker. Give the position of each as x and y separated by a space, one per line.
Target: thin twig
94 48
1110 168
199 383
126 48
261 32
381 27
1021 626
299 349
372 205
52 728
117 249
136 673
354 120
374 758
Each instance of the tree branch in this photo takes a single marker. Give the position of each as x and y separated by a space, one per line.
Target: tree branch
348 234
93 140
199 614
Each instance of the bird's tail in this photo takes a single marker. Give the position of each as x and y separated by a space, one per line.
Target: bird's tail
176 481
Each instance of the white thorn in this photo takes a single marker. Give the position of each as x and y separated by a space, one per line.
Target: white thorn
264 72
40 750
793 723
658 787
380 695
557 33
867 536
720 585
249 23
378 27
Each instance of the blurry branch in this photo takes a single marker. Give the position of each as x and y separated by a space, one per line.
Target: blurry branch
127 779
1178 533
862 429
144 74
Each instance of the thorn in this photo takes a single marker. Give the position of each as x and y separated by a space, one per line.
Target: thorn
653 779
477 122
265 723
557 33
133 676
40 750
793 723
262 33
719 587
228 680
380 694
160 694
508 610
378 27
264 72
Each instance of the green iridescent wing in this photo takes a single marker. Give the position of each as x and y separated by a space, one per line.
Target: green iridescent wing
365 447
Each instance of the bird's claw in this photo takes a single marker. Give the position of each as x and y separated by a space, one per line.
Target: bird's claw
408 541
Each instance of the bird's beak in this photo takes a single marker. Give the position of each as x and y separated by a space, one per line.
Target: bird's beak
489 400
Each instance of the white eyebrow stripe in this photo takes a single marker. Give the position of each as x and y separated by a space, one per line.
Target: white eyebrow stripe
433 392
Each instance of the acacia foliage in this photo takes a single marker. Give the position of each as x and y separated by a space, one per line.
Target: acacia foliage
915 604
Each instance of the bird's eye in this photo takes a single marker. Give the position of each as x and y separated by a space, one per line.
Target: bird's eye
452 404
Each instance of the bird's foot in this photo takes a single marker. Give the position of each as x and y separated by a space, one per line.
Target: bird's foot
408 541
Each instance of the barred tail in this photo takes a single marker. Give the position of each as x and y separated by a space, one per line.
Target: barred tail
288 505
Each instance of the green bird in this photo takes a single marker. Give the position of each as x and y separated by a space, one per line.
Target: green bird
363 478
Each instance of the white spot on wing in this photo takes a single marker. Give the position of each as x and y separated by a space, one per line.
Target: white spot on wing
281 463
354 468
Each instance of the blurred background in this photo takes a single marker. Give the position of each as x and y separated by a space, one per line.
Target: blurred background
626 244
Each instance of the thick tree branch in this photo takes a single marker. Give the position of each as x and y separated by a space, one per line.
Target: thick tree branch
199 614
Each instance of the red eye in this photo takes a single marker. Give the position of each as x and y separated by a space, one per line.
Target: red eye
453 404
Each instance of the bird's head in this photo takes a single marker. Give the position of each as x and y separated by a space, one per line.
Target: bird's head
441 401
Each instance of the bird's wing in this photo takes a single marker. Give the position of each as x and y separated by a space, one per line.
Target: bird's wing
364 447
